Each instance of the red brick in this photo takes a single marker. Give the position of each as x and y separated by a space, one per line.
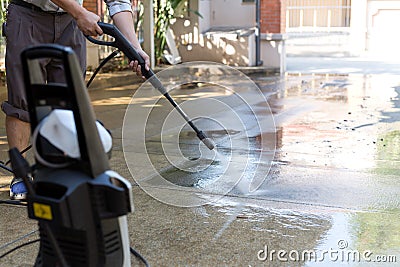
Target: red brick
273 16
92 5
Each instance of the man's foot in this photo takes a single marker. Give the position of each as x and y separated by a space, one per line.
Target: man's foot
18 189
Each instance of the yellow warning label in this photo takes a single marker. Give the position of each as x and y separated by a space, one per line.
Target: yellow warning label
42 211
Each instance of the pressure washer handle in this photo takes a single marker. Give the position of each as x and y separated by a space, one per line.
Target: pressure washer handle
123 45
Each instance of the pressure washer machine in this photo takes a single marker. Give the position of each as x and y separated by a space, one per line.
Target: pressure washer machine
80 204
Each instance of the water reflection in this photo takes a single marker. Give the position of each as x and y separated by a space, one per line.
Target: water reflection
355 129
332 177
360 239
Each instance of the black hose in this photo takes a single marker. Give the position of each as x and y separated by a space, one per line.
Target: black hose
13 203
133 251
139 256
113 54
3 166
18 247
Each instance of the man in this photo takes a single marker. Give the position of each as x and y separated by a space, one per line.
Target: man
63 22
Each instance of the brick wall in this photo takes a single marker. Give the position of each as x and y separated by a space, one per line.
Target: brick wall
93 5
273 16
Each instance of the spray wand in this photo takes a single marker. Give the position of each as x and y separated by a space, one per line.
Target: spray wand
122 44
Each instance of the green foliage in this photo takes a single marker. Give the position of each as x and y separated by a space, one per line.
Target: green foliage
388 147
163 14
3 10
139 20
165 11
378 232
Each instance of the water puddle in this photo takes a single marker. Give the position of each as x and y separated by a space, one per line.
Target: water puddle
324 173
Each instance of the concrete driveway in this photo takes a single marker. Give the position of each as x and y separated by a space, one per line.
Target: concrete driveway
305 172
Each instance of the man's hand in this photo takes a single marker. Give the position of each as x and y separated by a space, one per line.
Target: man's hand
86 20
87 23
135 64
124 22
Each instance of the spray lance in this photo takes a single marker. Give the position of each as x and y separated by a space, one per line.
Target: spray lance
122 44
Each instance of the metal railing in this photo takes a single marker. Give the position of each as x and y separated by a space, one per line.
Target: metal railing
321 15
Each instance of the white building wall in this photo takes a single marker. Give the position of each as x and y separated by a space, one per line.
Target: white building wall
232 13
383 20
358 27
213 37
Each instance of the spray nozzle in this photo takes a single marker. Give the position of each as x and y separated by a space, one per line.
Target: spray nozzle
209 143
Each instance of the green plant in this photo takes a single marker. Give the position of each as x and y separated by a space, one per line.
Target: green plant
139 11
3 10
3 16
165 11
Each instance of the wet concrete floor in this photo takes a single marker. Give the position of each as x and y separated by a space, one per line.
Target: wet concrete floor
305 170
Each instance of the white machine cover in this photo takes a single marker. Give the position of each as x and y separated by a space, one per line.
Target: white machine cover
60 130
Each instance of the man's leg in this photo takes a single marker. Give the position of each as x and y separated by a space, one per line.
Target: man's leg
18 37
18 133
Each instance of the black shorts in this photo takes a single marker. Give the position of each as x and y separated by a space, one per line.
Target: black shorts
26 27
